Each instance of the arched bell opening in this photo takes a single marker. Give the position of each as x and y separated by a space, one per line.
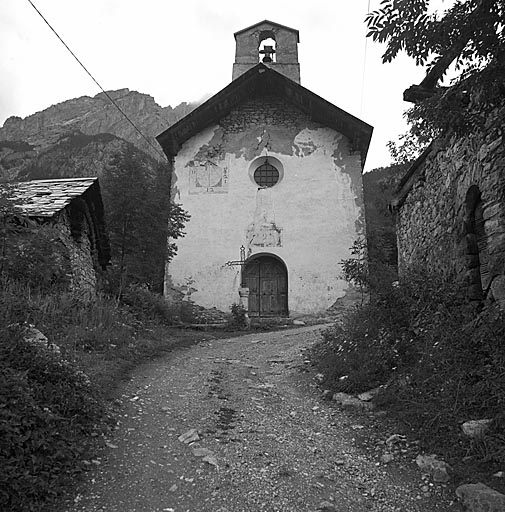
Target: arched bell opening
266 276
267 47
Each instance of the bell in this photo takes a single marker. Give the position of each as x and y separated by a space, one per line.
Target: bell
268 51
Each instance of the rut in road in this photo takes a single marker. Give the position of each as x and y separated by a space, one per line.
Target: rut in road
262 439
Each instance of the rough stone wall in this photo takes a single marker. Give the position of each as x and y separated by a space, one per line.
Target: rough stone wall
247 46
309 219
432 223
82 255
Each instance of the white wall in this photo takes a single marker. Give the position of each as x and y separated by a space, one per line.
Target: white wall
317 205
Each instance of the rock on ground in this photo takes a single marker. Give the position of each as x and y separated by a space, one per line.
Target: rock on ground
239 425
480 498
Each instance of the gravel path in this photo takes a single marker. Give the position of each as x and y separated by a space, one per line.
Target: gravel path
267 441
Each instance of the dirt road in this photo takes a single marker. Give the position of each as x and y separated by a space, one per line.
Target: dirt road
267 441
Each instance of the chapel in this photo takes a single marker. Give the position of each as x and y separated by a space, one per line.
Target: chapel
271 175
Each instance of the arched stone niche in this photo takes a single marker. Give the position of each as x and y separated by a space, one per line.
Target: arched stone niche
476 238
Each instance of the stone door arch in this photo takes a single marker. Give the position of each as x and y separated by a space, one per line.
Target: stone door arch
477 244
266 276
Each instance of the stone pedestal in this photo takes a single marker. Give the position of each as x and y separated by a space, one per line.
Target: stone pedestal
244 297
244 302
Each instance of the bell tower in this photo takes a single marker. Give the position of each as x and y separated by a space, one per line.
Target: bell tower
274 45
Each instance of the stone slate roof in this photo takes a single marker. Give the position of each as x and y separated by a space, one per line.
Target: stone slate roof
257 80
44 198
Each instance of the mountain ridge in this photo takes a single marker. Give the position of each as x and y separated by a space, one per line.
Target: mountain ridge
96 115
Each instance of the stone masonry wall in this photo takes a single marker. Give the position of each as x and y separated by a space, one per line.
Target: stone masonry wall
262 111
432 223
80 249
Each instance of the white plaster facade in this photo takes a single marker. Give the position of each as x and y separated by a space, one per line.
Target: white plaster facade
317 204
308 220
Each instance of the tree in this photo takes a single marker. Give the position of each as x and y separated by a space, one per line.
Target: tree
470 34
140 219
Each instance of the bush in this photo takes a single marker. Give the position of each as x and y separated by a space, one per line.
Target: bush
377 339
239 318
443 361
34 254
68 321
47 407
148 305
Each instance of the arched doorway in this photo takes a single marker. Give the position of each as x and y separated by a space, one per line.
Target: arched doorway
266 277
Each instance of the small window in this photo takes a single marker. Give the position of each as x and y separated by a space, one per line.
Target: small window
266 175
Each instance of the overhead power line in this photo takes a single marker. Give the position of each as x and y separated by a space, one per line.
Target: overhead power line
96 82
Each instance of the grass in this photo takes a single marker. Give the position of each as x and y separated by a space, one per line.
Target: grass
54 394
440 359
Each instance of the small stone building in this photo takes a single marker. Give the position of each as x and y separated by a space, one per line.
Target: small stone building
271 175
74 206
450 205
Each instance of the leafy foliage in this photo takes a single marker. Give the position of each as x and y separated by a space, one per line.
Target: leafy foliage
378 189
147 305
239 318
140 218
34 253
470 33
355 269
407 25
46 406
441 361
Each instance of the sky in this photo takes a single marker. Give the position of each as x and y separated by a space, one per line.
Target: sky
184 50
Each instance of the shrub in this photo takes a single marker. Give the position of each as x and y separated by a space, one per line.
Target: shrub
47 407
239 318
70 322
442 360
34 254
148 305
377 338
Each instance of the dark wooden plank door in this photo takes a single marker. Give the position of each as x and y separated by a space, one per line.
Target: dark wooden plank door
266 278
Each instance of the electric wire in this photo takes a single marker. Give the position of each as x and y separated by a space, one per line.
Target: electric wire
96 82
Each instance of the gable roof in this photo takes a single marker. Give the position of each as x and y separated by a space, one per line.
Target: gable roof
268 22
43 199
257 80
410 177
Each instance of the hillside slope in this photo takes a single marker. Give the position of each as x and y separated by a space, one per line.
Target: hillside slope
97 115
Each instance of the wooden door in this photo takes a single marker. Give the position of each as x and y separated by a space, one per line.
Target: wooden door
267 280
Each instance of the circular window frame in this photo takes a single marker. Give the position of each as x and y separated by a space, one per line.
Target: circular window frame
263 160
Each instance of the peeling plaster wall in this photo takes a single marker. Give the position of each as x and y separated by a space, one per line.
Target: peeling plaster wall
309 219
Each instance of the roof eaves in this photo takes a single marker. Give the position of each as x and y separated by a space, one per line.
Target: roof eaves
270 23
220 104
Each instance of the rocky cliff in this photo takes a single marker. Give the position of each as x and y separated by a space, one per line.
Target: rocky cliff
93 116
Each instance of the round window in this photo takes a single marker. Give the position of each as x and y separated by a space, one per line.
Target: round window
266 175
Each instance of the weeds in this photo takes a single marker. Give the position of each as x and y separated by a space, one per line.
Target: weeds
239 318
441 360
47 409
48 406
